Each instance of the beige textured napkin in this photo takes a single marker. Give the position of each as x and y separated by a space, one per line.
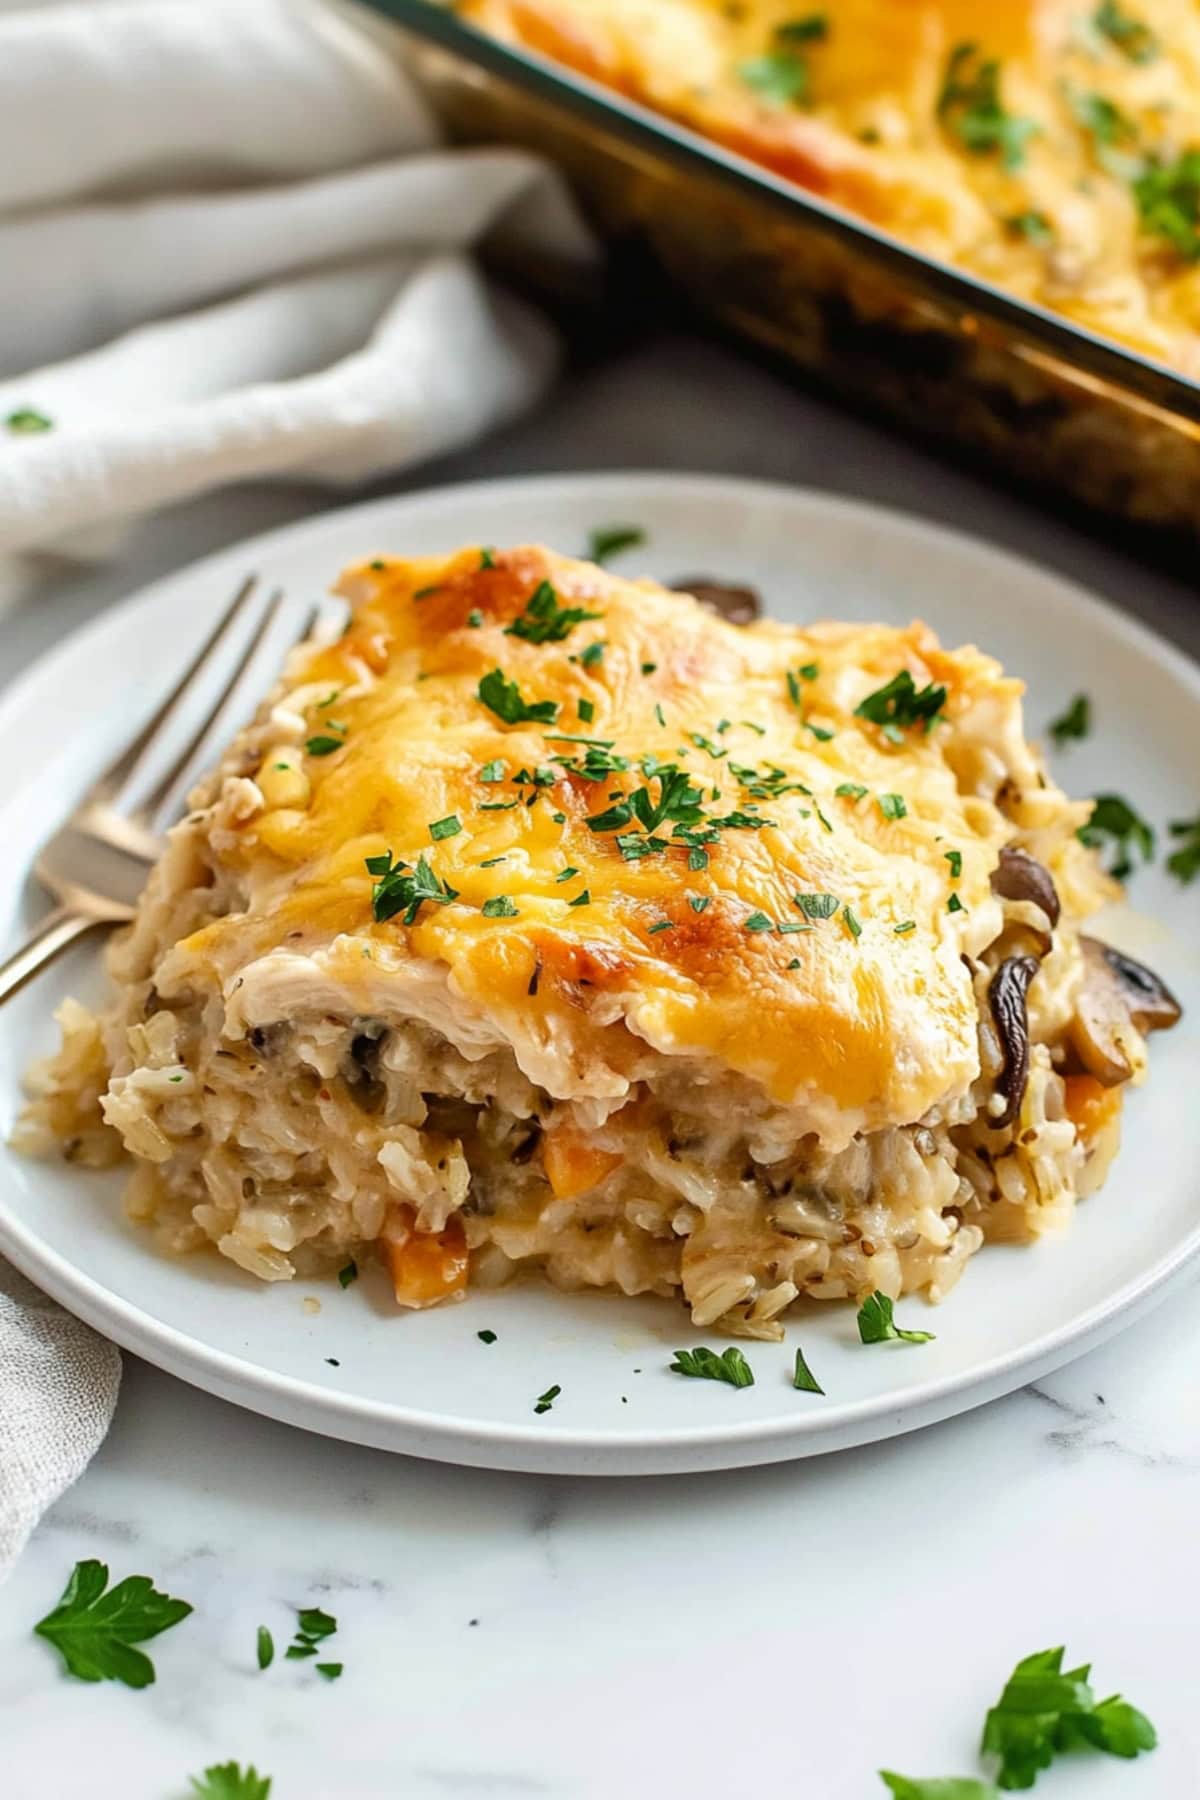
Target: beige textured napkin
58 1389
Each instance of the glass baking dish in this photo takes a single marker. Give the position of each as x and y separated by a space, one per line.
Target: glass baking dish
937 351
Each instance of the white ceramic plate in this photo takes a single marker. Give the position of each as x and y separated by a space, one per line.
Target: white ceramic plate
425 1383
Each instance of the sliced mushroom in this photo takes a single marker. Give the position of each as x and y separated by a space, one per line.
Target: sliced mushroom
738 605
1152 1005
1007 999
1019 876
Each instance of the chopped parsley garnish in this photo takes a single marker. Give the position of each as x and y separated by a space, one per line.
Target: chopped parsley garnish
850 921
229 1781
474 618
893 806
649 668
1031 225
1076 722
822 733
424 593
697 858
1044 1711
946 1787
264 1648
663 925
500 908
313 1626
795 963
583 899
567 875
1112 132
809 671
1132 36
347 1273
954 858
503 697
877 1325
803 1377
1184 862
94 1630
817 906
26 421
705 1365
954 904
486 1337
498 805
907 926
494 770
324 746
970 106
899 702
778 76
545 1401
716 751
1114 821
448 827
659 714
330 1671
610 540
401 889
487 559
1168 198
850 790
699 902
586 710
593 654
758 921
544 621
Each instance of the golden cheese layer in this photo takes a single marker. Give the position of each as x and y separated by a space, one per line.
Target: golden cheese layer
857 1005
1009 137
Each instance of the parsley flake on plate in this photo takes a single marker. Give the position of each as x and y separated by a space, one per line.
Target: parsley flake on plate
486 1337
803 1377
944 1787
1114 821
1074 723
1184 861
264 1648
330 1671
504 698
401 889
27 421
545 1401
1045 1710
229 1781
544 621
877 1324
610 540
705 1365
347 1273
94 1627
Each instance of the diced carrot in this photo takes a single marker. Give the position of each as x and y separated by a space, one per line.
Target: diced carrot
426 1266
1091 1106
573 1165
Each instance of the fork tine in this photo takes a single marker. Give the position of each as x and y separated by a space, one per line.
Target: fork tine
120 774
164 786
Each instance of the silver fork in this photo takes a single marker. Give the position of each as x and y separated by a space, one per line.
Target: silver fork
96 864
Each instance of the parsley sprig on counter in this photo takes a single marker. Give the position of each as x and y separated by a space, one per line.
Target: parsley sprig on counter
94 1627
229 1781
1045 1710
946 1787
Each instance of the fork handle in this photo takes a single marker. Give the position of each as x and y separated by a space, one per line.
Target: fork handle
58 929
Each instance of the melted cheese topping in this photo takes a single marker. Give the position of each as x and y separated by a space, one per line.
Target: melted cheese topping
861 1022
1061 227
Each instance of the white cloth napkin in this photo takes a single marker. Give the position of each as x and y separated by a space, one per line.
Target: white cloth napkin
232 248
58 1388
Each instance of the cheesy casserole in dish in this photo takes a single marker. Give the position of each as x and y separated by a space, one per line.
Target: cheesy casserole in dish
547 919
1049 146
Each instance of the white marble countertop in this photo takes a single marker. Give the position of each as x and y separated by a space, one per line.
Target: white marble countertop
779 1631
